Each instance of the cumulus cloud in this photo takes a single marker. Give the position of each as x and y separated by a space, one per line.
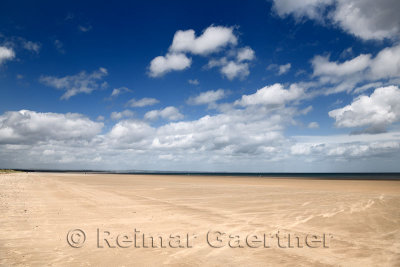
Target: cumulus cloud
142 102
233 133
284 68
76 84
211 40
367 86
217 62
322 66
313 125
119 115
344 148
274 95
245 53
280 69
168 113
28 127
236 139
238 67
207 98
6 54
248 133
232 70
236 133
376 111
100 118
251 130
128 133
15 43
310 8
171 62
386 64
346 151
367 19
358 72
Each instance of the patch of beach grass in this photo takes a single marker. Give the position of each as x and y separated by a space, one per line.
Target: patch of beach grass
7 171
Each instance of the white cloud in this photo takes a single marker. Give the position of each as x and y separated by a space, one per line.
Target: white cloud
284 68
364 148
32 46
194 82
212 40
169 113
345 151
236 140
367 19
322 66
280 69
207 98
367 86
235 64
230 134
25 126
274 95
248 136
217 62
123 114
386 64
171 62
313 125
130 132
233 69
307 8
142 102
100 118
117 91
76 84
15 43
245 53
358 72
6 54
376 111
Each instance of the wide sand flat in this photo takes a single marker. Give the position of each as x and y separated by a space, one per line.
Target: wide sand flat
361 220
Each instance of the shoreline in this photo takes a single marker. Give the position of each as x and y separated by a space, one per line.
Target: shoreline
379 176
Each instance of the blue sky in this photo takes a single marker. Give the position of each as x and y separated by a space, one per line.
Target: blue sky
286 86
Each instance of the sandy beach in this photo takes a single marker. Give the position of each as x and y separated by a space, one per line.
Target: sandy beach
111 220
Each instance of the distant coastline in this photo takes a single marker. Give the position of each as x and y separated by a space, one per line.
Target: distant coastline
308 175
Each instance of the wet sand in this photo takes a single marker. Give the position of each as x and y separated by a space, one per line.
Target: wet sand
360 220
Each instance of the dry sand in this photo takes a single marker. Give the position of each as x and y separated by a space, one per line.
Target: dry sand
361 220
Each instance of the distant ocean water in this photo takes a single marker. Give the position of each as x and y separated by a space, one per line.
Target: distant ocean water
332 176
